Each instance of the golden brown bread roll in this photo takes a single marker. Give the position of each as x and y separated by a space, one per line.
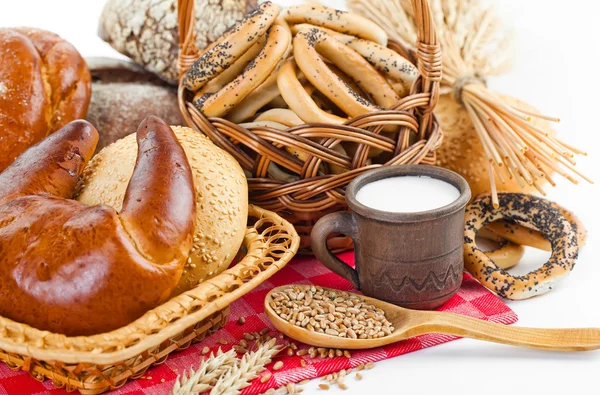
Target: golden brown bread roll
44 84
75 269
462 151
221 198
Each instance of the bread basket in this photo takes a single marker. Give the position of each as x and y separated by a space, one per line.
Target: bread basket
315 194
95 364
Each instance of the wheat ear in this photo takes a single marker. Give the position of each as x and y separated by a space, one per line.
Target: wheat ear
240 375
206 376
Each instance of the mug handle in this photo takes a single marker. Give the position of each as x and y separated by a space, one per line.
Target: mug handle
339 222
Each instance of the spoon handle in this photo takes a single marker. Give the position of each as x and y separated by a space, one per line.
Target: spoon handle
580 339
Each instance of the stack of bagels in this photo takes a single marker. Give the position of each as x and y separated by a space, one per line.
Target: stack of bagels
304 64
316 63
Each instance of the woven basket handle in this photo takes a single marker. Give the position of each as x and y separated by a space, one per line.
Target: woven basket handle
188 51
429 53
429 58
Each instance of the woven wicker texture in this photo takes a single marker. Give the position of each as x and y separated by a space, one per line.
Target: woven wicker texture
94 364
316 193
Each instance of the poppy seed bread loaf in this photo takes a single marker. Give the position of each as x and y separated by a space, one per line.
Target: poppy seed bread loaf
123 94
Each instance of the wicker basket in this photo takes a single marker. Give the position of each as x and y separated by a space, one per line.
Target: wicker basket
95 364
304 201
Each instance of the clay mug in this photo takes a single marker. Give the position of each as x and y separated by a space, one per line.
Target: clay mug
413 260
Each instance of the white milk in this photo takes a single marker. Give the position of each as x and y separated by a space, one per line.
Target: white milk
407 194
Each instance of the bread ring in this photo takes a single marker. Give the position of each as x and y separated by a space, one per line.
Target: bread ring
278 102
337 20
220 103
308 45
528 209
230 46
400 89
299 100
232 71
264 123
256 100
341 37
530 237
75 269
386 61
283 23
382 58
349 81
264 94
507 255
273 169
282 116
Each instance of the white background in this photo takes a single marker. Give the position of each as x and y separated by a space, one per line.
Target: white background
555 69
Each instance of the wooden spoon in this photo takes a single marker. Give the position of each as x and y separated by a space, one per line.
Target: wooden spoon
411 323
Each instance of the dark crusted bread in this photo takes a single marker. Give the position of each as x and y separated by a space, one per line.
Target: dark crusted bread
146 30
123 95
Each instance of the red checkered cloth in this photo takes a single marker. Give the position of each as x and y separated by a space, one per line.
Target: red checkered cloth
472 300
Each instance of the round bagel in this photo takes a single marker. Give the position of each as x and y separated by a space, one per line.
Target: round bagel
540 214
283 116
258 70
507 255
520 234
386 61
256 100
341 37
230 46
349 81
337 20
229 74
382 58
308 47
299 100
221 193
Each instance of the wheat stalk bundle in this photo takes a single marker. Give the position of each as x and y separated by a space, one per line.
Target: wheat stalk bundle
476 45
209 371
